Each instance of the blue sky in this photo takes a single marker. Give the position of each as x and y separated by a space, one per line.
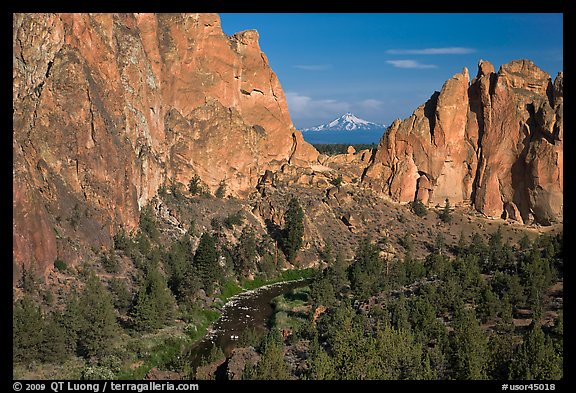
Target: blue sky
382 66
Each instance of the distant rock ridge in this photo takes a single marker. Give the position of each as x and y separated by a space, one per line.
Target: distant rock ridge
495 143
107 108
348 122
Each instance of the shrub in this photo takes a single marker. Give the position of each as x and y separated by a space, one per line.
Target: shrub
446 215
110 263
60 265
406 242
337 181
175 189
194 185
221 190
418 208
232 220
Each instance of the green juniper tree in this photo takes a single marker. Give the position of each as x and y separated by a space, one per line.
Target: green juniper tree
419 208
27 326
469 346
293 231
271 365
245 252
98 326
536 358
446 214
155 304
206 262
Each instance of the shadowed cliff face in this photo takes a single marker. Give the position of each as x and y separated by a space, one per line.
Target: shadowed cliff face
495 143
108 107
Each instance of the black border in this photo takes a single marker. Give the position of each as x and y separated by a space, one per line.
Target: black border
414 6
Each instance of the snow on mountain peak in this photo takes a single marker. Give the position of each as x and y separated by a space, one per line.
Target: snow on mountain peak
348 122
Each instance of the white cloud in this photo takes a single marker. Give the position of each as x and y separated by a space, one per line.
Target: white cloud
454 50
313 67
371 104
303 107
409 64
307 111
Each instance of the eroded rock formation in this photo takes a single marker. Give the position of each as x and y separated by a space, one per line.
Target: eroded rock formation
109 107
495 142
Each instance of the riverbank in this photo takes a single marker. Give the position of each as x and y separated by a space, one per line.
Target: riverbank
232 289
170 347
244 314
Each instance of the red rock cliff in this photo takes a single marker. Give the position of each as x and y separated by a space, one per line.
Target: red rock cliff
109 107
495 143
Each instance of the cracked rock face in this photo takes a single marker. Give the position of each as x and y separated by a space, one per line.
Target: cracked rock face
109 107
495 142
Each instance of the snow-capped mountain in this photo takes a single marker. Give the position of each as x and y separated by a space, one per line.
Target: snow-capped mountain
348 122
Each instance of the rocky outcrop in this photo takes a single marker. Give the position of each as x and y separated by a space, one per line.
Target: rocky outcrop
109 107
495 142
240 358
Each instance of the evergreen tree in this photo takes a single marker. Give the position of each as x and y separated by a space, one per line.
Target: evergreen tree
525 243
344 334
206 262
120 294
98 327
479 249
397 355
271 365
501 355
488 304
221 190
337 274
446 214
195 186
322 292
293 232
54 347
400 316
462 246
496 252
469 346
406 242
144 313
27 327
29 281
418 208
439 243
366 271
501 344
537 275
148 225
154 304
423 318
191 284
327 254
178 262
72 322
536 357
320 365
245 252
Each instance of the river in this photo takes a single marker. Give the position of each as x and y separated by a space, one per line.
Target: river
247 310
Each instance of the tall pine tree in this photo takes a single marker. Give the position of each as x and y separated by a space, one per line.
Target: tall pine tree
27 326
154 304
206 262
536 357
98 325
245 252
293 231
469 346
